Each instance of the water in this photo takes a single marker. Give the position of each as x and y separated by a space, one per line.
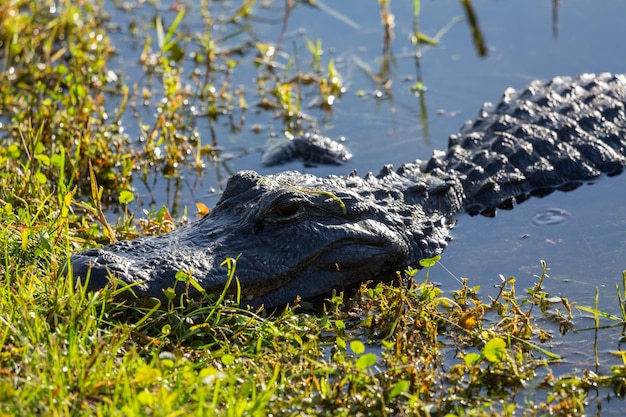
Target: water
583 235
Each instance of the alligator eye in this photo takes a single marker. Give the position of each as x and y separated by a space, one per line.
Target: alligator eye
284 210
280 212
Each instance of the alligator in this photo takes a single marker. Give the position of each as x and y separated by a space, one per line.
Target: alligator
299 235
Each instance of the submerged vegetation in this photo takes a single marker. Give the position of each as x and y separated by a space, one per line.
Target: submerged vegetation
67 161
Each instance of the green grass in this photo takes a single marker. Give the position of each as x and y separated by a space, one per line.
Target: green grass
403 349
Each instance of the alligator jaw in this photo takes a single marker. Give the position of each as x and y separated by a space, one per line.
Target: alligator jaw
333 266
341 265
321 274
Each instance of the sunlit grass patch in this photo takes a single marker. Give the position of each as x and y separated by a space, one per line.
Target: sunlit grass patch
389 349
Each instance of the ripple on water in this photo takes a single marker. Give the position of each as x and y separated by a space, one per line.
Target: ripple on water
550 217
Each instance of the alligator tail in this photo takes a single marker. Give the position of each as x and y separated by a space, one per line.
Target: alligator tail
549 136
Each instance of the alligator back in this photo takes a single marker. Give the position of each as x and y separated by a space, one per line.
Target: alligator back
550 135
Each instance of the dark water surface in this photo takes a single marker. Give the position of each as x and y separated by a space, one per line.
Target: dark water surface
585 248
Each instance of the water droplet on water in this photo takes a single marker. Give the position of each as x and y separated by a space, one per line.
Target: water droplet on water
550 217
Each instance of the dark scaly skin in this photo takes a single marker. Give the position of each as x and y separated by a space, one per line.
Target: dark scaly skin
301 235
310 148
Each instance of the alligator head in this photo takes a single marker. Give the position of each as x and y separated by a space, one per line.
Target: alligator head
292 234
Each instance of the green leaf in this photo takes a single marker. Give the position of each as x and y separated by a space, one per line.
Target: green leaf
40 178
194 283
472 359
167 362
161 214
427 39
366 360
411 272
182 276
126 197
43 159
340 343
399 388
228 359
495 350
546 352
146 398
38 148
428 262
57 160
598 313
8 209
78 92
357 347
169 293
13 151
